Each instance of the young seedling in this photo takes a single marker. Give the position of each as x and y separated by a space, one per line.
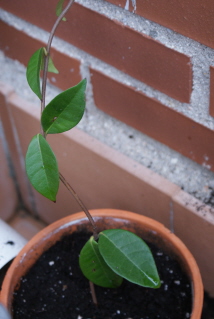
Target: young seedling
112 255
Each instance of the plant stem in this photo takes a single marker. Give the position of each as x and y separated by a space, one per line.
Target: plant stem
44 84
46 58
72 191
93 293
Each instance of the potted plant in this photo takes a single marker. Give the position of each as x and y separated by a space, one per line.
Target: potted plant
115 249
151 231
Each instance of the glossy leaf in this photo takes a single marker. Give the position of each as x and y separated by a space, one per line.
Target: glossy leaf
129 256
65 110
94 267
42 168
59 9
33 72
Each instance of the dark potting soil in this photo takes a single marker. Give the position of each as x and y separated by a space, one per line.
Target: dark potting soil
55 288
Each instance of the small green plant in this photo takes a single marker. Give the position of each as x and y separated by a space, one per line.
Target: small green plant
112 255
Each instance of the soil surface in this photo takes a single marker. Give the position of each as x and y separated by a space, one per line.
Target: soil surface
55 289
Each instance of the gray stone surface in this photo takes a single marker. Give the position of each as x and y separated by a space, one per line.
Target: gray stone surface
193 178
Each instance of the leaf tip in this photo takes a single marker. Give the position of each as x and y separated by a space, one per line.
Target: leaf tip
158 284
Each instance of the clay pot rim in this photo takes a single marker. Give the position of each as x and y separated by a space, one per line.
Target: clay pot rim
47 232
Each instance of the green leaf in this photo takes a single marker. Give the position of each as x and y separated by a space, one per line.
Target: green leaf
129 256
65 110
51 66
42 168
35 65
33 72
94 267
59 9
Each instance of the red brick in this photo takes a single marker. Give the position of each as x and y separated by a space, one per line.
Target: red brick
32 11
17 45
212 91
139 56
154 119
193 18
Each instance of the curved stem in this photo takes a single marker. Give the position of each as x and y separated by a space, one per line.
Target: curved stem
46 58
72 191
44 84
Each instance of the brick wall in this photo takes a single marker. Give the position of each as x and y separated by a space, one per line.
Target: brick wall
167 96
192 18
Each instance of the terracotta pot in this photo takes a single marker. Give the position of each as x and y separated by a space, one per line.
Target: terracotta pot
105 218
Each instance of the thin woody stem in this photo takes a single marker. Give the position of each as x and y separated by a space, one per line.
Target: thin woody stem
72 191
44 84
46 58
93 293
